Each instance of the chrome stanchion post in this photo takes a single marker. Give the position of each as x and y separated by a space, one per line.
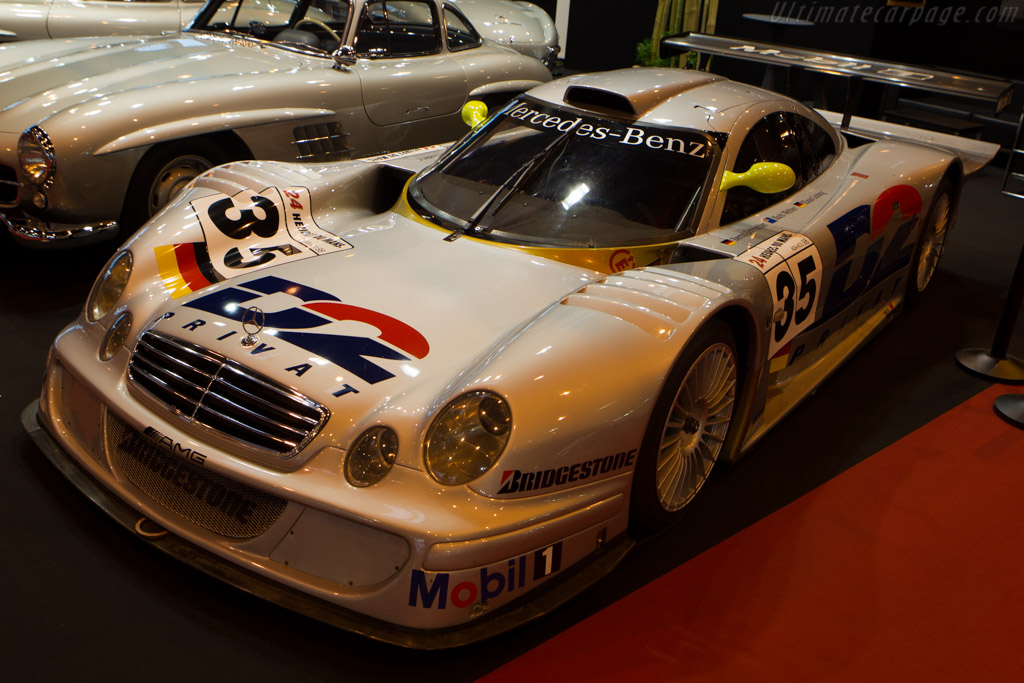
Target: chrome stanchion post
995 364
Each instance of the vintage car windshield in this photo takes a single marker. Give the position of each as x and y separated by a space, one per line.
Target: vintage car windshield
540 175
306 24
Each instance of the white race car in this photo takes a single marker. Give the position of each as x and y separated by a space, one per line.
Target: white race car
429 396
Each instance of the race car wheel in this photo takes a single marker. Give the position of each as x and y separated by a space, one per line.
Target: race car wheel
687 429
161 174
931 243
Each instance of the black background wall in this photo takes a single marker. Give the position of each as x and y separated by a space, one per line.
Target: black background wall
603 33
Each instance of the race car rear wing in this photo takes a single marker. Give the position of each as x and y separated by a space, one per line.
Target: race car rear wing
856 69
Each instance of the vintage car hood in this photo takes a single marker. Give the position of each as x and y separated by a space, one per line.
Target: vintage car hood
401 312
42 78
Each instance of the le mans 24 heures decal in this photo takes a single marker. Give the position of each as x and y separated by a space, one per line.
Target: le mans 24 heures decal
241 232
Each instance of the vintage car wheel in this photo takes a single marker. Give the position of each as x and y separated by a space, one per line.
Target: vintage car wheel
931 243
161 174
687 430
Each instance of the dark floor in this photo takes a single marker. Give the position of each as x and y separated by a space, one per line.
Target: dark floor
83 600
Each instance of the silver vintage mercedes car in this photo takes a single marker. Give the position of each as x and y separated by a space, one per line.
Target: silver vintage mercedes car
97 134
39 19
523 26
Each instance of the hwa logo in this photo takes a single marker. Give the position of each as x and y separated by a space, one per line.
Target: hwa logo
314 309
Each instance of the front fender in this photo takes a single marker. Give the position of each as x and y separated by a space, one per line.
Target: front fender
208 123
581 381
124 126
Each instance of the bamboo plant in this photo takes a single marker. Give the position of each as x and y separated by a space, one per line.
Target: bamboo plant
676 16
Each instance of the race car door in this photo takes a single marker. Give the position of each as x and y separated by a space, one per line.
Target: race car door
405 74
789 254
119 17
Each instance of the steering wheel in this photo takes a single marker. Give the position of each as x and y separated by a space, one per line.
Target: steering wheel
317 22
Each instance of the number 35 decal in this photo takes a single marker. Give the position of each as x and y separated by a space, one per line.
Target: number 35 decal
249 230
791 264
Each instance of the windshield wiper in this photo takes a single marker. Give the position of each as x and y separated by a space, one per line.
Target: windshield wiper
511 186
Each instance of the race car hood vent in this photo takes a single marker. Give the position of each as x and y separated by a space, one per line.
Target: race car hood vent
632 92
583 97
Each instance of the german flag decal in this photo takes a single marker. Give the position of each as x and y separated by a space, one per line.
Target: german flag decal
185 268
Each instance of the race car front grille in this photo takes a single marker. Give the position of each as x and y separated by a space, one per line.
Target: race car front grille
321 142
10 188
173 480
208 389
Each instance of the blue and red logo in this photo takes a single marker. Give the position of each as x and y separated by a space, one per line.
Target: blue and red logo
396 340
872 243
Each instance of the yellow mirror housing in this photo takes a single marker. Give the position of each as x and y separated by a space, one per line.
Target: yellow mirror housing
767 177
474 113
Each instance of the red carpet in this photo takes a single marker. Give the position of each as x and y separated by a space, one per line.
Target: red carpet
907 567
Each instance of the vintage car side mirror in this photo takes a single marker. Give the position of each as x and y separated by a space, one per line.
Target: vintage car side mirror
474 113
344 57
767 177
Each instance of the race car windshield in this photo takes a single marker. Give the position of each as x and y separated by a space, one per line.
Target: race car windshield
539 175
315 25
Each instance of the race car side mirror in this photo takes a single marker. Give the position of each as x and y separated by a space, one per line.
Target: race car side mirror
474 113
767 177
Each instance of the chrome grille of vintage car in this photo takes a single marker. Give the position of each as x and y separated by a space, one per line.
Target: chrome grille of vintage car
208 389
321 142
207 499
10 188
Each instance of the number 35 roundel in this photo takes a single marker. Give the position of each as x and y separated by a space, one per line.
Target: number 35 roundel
792 266
249 230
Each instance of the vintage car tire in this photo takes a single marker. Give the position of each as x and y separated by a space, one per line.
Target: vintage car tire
702 387
161 174
931 243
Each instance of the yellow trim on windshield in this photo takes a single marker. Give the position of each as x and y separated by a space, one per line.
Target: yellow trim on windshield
602 259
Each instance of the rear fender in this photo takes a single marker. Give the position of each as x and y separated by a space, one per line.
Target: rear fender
973 154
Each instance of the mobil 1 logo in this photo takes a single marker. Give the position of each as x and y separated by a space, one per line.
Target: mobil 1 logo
492 582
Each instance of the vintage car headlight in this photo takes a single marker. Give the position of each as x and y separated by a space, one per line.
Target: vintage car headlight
467 437
371 456
117 335
36 156
109 286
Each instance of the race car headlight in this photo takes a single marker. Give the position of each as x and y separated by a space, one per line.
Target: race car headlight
467 437
109 286
117 335
371 456
36 156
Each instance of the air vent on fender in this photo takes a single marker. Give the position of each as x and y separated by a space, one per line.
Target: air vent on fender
643 299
